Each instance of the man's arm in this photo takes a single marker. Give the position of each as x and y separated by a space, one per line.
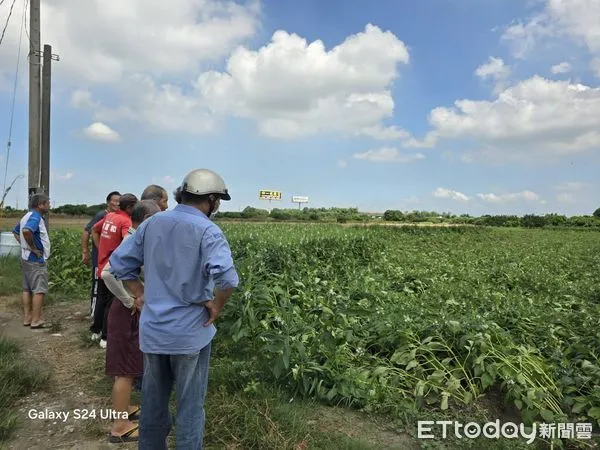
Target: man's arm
219 265
28 235
116 287
85 237
126 262
85 246
16 231
29 228
128 258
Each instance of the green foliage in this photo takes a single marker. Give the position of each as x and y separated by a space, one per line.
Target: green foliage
395 319
18 378
79 210
597 213
67 274
392 319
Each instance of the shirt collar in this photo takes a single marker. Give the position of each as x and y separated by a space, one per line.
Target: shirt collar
121 212
190 210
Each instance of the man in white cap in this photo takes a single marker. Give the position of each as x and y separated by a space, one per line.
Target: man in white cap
189 276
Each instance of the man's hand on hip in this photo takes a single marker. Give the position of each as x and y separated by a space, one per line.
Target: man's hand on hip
213 312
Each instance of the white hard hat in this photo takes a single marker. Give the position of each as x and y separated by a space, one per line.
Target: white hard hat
204 182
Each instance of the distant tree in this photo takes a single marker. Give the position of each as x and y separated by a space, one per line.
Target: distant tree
597 213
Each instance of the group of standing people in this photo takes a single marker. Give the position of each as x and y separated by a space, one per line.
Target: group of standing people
159 281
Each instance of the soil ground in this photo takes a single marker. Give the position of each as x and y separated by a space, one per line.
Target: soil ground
77 382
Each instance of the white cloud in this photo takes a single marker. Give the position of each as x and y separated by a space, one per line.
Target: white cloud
573 186
385 134
342 164
58 177
448 193
577 19
290 87
101 41
511 197
523 121
293 88
566 197
101 132
388 154
496 70
563 67
159 108
167 180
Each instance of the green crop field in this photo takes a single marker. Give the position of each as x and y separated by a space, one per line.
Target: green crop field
410 322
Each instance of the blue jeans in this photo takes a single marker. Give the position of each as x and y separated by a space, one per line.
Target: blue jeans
190 375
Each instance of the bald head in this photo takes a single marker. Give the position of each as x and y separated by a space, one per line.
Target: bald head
142 210
158 194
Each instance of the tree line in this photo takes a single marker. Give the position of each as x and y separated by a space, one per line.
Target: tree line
345 215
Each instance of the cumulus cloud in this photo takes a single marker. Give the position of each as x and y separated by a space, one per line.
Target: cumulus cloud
536 117
294 88
62 177
576 19
510 197
160 108
388 154
116 38
563 67
449 193
101 132
291 87
496 70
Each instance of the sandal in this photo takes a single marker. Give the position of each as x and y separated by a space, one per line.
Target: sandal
39 326
129 436
135 415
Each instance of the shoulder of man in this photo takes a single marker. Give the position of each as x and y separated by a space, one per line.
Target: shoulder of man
94 220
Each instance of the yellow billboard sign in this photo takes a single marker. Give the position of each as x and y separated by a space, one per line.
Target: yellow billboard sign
269 195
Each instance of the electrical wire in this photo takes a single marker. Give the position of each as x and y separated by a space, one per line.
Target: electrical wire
12 112
7 20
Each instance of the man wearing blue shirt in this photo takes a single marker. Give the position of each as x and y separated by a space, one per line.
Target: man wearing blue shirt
32 234
189 276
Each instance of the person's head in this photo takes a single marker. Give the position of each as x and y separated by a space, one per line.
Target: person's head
158 194
112 201
127 202
177 194
142 210
40 203
204 190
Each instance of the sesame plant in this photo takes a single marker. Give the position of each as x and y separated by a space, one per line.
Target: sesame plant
390 319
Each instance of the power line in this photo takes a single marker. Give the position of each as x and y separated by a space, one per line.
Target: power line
7 19
12 112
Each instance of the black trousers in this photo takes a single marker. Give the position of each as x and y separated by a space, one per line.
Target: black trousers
94 292
103 302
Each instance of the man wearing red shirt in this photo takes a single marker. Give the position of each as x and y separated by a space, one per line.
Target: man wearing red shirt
107 234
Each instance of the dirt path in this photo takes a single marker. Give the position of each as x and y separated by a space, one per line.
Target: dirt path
71 364
76 375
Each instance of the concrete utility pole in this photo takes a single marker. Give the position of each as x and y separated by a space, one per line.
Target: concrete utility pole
34 99
45 127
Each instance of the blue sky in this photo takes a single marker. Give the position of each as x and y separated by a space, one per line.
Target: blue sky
367 119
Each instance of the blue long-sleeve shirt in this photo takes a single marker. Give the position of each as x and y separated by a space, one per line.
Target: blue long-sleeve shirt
185 255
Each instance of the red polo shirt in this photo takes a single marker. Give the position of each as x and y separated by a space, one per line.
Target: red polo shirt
112 228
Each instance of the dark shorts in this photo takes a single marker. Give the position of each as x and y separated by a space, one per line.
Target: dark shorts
123 355
35 277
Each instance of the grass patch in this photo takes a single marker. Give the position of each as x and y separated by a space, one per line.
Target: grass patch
17 379
10 276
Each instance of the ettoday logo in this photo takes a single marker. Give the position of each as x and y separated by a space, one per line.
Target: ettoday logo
472 430
508 430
